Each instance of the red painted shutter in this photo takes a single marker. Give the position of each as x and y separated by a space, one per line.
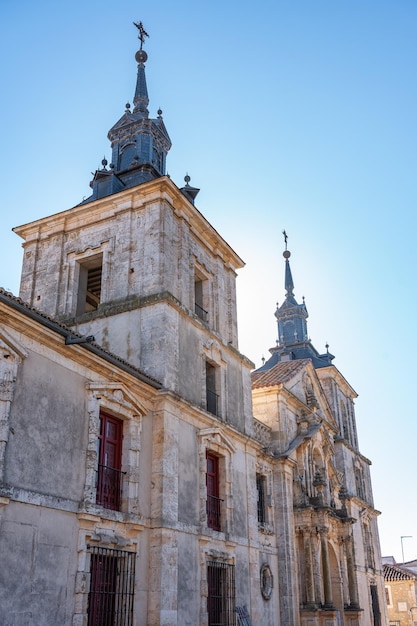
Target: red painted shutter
110 462
212 475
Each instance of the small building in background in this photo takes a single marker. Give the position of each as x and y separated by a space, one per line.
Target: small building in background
401 592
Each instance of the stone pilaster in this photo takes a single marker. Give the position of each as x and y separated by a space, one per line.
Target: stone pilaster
352 582
286 544
164 502
10 358
309 571
327 581
163 578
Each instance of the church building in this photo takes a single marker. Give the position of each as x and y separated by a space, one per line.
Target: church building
148 476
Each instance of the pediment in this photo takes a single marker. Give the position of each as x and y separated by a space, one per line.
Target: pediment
11 355
127 118
162 128
314 396
305 385
118 395
215 436
10 344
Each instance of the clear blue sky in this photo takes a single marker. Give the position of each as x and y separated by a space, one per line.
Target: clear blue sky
293 114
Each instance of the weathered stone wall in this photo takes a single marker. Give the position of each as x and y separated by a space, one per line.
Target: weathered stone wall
38 548
46 450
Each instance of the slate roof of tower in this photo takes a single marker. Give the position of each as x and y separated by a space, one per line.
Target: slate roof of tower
139 144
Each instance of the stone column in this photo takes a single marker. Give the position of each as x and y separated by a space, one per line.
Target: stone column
310 591
327 582
315 552
352 582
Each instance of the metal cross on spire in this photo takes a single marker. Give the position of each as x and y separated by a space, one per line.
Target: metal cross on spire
285 238
142 33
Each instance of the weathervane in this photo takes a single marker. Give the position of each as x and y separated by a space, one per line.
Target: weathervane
142 33
285 238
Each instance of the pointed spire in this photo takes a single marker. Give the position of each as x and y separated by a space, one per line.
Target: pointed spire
291 316
293 341
139 144
141 99
289 283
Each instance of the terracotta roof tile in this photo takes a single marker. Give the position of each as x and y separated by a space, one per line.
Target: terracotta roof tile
280 373
397 572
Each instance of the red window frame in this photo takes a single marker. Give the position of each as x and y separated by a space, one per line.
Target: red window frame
109 476
213 491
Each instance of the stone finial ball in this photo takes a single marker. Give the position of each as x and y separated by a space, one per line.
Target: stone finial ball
286 254
141 56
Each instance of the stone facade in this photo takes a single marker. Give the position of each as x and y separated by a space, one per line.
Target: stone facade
145 478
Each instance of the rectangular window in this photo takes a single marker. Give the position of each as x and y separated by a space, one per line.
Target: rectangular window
110 601
369 549
109 475
221 594
212 396
360 486
89 284
261 491
213 499
200 295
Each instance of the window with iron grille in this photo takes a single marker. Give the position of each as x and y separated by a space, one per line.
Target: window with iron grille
221 594
200 296
261 491
109 474
212 397
110 601
213 492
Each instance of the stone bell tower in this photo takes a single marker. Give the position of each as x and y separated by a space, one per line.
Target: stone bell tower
137 266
